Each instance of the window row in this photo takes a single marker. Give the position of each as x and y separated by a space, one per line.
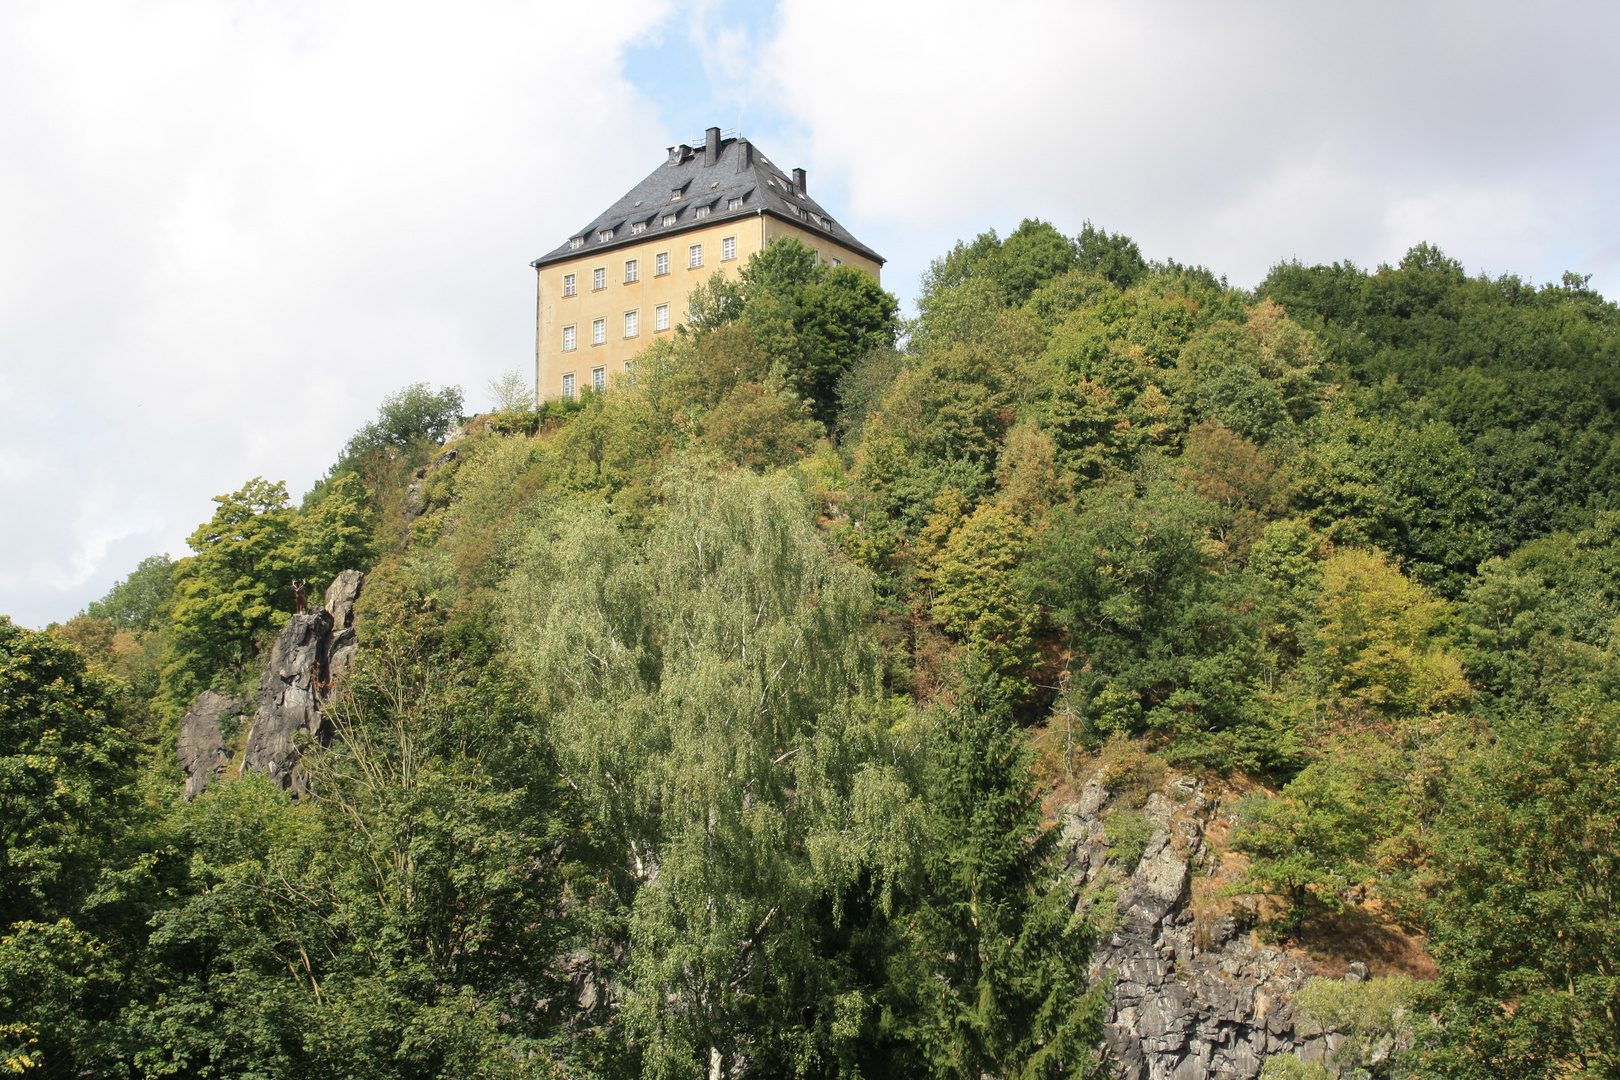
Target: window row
666 219
632 267
598 379
632 328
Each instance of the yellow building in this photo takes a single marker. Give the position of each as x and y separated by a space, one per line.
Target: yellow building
616 285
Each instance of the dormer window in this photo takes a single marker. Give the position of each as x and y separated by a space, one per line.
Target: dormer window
669 219
576 242
676 193
734 204
638 227
702 211
604 236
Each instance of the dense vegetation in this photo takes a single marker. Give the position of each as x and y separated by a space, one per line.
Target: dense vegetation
702 726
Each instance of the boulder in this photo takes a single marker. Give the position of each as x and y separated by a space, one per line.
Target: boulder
312 650
201 746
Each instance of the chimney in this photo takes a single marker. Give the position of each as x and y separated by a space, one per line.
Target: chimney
798 182
745 155
711 146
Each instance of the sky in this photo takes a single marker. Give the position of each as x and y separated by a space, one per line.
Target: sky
227 231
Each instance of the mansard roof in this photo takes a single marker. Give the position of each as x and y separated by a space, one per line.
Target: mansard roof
712 177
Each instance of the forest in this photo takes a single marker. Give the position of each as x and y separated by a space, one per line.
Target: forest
714 725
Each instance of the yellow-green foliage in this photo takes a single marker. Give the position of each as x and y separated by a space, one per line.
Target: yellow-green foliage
978 594
1376 647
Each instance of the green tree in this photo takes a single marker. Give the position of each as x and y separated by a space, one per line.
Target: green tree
334 535
1411 490
66 764
1032 255
412 416
812 321
1115 257
67 771
1162 639
233 591
1524 909
996 953
980 597
137 602
714 683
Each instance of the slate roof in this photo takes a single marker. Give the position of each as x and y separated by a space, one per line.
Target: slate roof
688 181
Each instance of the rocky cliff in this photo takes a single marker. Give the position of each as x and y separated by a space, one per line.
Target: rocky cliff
1194 997
312 651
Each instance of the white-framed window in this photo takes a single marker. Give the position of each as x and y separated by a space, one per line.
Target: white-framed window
632 323
838 262
629 271
604 236
734 204
638 226
661 263
599 278
599 332
702 211
669 219
576 242
694 256
568 385
568 284
568 339
728 248
675 195
661 317
599 379
629 366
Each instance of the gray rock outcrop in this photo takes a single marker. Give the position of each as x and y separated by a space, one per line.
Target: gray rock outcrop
201 746
1189 1002
341 596
313 649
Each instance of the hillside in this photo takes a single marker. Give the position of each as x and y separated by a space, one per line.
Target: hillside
1111 671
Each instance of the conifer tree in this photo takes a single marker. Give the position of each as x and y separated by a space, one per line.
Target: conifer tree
999 956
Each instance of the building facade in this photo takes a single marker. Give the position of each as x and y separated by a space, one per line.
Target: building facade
623 281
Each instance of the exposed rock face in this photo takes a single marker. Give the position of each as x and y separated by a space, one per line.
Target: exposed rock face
311 651
1181 1009
340 599
201 747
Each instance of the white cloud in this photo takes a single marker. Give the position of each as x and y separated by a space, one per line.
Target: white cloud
226 231
1231 134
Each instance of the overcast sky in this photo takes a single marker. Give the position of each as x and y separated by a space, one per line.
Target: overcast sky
227 230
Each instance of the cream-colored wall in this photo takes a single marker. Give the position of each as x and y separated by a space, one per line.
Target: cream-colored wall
829 249
643 296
